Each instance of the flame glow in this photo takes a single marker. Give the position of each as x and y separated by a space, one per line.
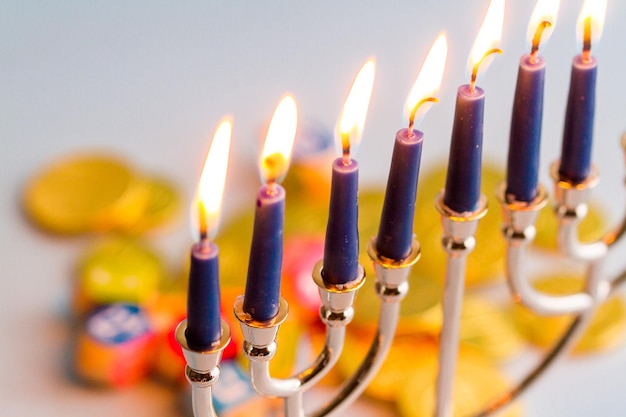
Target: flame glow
545 11
279 141
355 108
596 11
207 203
489 35
429 79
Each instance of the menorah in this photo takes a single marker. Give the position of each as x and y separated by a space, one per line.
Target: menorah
395 250
392 286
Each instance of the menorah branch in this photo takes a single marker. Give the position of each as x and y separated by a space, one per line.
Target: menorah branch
458 241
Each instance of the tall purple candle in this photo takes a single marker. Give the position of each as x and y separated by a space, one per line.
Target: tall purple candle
575 163
266 255
462 192
203 301
341 247
395 234
525 135
204 327
262 294
578 131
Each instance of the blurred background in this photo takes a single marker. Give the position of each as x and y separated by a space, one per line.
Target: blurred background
148 81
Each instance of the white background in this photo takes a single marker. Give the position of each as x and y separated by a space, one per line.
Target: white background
150 79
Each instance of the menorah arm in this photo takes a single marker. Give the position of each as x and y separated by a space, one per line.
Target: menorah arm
562 345
266 385
458 241
571 209
519 232
391 287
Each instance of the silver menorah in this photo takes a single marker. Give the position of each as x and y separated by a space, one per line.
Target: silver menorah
392 285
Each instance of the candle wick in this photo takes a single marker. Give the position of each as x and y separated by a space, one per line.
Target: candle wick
477 66
534 52
414 112
204 241
586 55
345 148
272 187
203 226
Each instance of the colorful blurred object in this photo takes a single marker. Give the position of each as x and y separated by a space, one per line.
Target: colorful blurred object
115 346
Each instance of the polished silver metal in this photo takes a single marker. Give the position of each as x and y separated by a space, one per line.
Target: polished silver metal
202 370
259 342
458 241
570 209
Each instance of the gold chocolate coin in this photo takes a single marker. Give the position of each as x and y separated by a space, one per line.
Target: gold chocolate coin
589 229
476 382
118 270
81 193
162 206
489 328
485 263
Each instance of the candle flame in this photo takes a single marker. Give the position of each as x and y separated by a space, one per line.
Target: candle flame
488 37
278 145
542 22
428 81
207 203
355 108
591 23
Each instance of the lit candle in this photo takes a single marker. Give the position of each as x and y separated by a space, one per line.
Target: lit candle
525 135
462 192
262 294
204 328
578 132
341 247
395 234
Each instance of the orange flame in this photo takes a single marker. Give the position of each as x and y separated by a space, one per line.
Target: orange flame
355 108
544 11
429 79
208 199
592 14
488 37
278 145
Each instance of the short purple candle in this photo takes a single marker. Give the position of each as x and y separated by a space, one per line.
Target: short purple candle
395 234
462 192
525 136
578 132
204 327
341 247
262 295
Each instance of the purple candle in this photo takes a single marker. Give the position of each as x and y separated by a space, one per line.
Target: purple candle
266 254
203 301
525 135
341 247
395 234
578 131
462 192
204 327
575 163
262 294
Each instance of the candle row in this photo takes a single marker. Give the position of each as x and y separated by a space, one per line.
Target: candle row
394 239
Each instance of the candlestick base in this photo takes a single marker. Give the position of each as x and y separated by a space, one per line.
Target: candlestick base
202 370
